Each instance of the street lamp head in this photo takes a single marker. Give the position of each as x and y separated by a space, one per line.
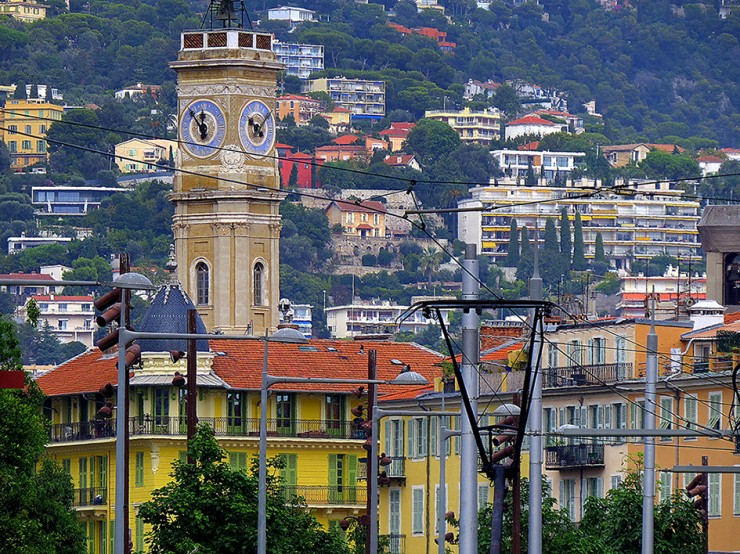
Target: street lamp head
288 335
408 377
506 410
134 281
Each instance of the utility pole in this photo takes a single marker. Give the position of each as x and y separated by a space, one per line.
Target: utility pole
648 483
535 418
469 369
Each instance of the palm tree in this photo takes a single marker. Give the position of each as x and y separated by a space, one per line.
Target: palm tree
429 262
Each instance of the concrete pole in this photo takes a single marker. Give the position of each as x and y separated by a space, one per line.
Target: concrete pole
535 419
469 368
648 483
262 476
372 478
120 542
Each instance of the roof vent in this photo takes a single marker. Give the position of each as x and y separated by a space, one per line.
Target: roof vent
394 361
308 349
331 349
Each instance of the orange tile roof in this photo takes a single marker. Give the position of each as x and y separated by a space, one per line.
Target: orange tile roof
239 364
366 206
84 373
27 276
732 317
346 139
531 120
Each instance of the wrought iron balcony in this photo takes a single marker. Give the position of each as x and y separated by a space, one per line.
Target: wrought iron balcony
222 426
393 543
574 456
598 374
96 496
329 496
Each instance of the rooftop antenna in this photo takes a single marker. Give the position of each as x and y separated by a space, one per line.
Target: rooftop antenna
225 14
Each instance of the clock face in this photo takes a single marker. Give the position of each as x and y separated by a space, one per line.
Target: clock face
202 128
257 128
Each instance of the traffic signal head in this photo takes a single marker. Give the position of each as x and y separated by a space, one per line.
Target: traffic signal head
109 306
697 490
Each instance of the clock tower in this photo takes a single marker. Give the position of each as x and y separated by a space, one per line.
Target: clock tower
227 189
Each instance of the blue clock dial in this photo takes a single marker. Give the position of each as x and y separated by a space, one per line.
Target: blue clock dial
202 128
257 128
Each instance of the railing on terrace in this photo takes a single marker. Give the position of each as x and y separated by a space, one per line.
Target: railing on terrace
222 426
332 495
397 467
573 456
96 496
597 374
396 543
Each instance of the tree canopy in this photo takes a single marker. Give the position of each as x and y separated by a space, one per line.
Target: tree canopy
210 507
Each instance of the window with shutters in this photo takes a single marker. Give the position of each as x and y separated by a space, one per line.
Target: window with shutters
285 413
690 413
394 446
665 419
417 510
161 406
139 534
82 481
238 460
715 494
715 410
574 353
595 487
139 469
568 496
336 478
736 501
335 414
664 485
552 355
289 474
394 512
456 440
236 411
102 537
434 436
550 425
615 481
418 438
483 489
437 498
67 466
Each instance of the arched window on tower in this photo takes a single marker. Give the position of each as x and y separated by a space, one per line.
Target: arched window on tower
258 277
202 273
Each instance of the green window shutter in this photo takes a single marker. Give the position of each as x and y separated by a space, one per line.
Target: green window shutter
410 441
434 436
139 469
388 437
424 444
182 455
333 478
91 537
139 534
103 537
83 473
67 465
103 471
352 478
112 534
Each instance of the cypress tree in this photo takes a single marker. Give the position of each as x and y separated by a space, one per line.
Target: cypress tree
293 179
599 255
512 254
551 260
566 241
20 90
526 258
579 254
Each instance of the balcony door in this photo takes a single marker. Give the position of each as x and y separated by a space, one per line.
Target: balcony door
335 414
236 412
285 414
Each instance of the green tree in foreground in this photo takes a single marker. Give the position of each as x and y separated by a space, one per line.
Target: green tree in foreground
211 508
36 515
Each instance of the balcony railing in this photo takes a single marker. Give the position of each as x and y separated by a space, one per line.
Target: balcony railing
97 496
573 456
332 495
222 426
587 375
397 468
396 544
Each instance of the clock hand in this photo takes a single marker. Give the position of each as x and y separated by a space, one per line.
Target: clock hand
256 128
203 126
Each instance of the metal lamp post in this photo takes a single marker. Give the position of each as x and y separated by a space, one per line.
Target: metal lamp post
405 378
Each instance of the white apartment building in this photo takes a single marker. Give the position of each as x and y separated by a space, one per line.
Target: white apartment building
291 14
548 165
634 228
300 59
71 318
370 318
477 127
364 99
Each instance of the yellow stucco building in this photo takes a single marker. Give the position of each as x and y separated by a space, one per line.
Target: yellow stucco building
24 124
23 10
139 155
311 426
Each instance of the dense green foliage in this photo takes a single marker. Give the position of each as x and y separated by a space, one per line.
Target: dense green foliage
210 507
36 515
